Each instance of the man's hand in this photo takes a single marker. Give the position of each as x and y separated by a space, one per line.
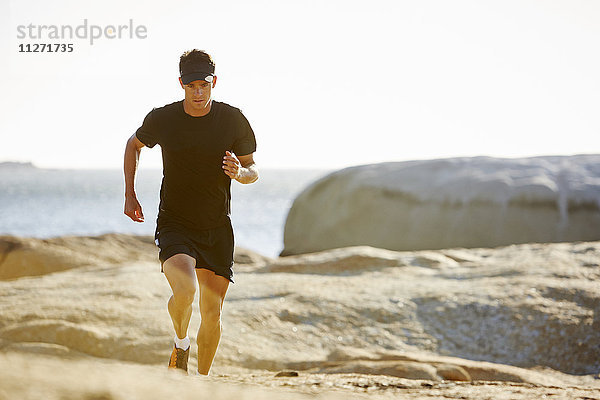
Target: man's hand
231 165
241 169
133 209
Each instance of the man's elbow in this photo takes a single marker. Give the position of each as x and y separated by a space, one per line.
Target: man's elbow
134 142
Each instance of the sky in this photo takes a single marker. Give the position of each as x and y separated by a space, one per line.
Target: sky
324 84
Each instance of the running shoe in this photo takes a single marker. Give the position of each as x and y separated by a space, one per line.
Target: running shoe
179 358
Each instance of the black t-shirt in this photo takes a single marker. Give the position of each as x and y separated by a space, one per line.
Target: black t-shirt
195 190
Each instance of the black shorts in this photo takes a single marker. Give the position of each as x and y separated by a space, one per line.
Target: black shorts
212 248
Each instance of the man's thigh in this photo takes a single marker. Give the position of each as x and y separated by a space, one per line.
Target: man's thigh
213 287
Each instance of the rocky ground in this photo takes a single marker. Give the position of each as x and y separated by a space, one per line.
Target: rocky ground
512 322
49 378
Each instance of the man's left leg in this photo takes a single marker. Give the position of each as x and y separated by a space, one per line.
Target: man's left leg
212 289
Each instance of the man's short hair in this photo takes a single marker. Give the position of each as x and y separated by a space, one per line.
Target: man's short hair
195 59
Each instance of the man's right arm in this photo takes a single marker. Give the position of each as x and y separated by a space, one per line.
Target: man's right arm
133 209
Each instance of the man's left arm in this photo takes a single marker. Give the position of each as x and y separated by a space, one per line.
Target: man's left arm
241 168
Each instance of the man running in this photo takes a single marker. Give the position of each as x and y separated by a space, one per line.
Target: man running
205 144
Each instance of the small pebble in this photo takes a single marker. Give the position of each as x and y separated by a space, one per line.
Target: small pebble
286 374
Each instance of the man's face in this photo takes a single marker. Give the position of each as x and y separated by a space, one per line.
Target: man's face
198 93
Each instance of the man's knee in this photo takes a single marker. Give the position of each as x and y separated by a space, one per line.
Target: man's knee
179 271
211 315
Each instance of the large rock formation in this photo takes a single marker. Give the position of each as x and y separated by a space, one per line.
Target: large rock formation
459 202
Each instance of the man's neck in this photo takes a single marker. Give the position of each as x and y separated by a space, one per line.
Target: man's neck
194 112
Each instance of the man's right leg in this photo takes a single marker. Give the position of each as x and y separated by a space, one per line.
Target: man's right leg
180 272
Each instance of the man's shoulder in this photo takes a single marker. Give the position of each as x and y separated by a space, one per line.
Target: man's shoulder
168 109
226 108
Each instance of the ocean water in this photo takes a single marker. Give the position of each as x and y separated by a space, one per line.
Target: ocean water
48 203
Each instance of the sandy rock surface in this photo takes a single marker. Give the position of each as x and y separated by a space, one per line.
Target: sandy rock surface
457 202
364 321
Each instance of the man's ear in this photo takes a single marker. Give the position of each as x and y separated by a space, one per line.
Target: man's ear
214 82
181 83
